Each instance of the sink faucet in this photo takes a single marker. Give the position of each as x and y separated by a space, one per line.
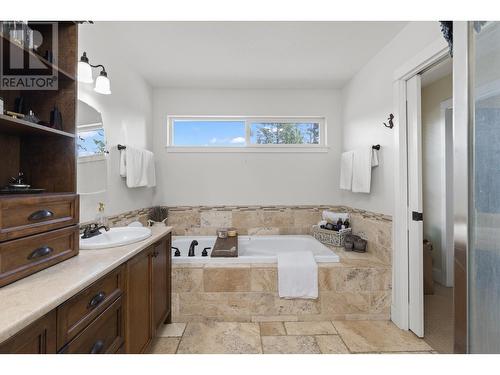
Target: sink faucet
92 230
191 248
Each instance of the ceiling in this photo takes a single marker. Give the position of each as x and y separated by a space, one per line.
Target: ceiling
248 54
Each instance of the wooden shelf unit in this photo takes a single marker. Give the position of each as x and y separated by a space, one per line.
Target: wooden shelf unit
46 156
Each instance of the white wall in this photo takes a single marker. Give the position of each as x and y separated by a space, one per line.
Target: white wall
367 101
433 146
126 115
247 178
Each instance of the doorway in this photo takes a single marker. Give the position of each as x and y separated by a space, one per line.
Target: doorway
437 202
430 196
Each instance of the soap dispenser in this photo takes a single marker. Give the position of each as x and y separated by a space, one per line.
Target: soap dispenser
101 218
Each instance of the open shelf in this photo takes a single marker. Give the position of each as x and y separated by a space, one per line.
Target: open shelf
15 126
62 74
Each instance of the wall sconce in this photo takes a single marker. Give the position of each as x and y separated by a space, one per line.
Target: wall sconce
102 85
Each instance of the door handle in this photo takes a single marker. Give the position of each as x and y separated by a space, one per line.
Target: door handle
417 216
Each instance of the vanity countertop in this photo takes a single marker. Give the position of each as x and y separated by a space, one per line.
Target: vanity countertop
28 299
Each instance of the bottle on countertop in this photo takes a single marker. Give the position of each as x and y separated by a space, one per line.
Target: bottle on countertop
346 223
101 218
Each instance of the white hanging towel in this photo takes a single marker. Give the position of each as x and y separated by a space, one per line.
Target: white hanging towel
346 170
137 166
297 275
364 160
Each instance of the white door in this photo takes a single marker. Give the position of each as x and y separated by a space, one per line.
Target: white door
415 223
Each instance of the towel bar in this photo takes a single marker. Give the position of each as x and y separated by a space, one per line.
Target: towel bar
375 147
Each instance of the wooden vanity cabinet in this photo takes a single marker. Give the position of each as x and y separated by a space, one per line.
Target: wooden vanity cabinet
118 313
38 338
148 294
161 280
138 316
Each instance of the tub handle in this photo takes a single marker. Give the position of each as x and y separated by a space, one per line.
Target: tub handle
177 252
204 253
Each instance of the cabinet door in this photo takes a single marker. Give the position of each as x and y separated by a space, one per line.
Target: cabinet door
161 281
138 314
37 338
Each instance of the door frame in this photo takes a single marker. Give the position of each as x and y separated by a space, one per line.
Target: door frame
432 54
446 275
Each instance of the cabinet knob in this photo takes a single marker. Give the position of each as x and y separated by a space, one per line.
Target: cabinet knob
40 215
96 300
40 252
97 347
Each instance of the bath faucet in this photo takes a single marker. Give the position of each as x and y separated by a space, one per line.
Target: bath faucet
92 230
191 248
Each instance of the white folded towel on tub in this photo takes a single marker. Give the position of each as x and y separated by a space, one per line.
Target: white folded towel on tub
297 275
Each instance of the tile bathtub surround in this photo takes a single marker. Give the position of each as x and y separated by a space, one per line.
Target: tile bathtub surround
353 289
271 220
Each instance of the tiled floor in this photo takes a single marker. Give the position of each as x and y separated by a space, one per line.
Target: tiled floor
438 319
287 337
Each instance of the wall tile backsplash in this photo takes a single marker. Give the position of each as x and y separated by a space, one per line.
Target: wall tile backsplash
268 220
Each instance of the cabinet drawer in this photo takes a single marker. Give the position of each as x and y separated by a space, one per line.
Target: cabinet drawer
77 312
103 336
22 257
23 216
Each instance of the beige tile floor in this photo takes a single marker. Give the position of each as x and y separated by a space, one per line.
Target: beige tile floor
438 319
287 338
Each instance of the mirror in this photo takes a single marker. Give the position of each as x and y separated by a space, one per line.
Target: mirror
91 149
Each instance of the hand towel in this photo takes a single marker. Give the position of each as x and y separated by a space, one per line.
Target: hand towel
364 160
333 217
297 275
123 163
139 167
346 170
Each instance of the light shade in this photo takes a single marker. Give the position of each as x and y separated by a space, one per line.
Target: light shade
102 85
84 72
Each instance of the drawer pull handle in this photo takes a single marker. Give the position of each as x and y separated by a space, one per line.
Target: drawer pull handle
98 347
40 252
40 215
96 300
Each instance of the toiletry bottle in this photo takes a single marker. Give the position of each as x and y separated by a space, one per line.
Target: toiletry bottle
346 223
101 218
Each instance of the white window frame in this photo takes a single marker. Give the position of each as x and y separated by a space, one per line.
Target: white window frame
89 127
321 147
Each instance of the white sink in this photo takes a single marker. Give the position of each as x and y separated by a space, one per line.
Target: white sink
118 236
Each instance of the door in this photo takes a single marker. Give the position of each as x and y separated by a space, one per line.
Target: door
483 252
160 265
415 215
139 325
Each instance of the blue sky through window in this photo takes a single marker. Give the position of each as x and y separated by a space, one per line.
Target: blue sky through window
209 133
90 142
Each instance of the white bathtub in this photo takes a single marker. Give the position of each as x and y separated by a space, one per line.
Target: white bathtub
253 249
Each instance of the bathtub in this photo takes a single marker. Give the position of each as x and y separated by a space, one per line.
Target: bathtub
253 249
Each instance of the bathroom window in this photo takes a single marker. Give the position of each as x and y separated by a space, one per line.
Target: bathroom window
246 134
91 143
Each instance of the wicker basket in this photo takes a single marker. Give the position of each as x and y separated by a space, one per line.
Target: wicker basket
330 237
